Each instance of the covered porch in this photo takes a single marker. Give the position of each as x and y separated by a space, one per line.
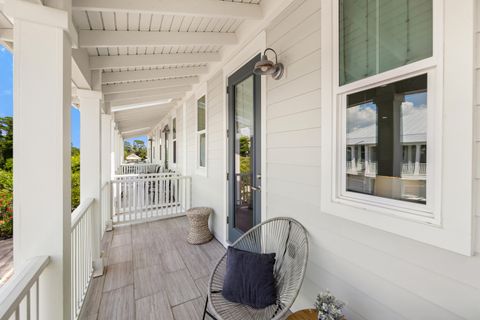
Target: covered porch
392 219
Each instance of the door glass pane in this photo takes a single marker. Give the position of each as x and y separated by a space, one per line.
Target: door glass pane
202 147
174 128
386 152
380 35
244 134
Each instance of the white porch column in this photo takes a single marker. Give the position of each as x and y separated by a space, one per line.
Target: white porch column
121 149
150 148
367 159
106 147
107 164
417 160
90 164
42 102
354 159
117 149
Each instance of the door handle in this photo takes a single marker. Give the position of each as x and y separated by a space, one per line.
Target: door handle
256 188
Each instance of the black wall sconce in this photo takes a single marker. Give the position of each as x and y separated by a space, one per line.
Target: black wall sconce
268 67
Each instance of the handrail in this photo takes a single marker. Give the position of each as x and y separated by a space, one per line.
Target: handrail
82 244
13 293
80 211
144 175
147 179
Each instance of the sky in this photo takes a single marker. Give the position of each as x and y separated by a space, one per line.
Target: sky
365 115
6 98
143 138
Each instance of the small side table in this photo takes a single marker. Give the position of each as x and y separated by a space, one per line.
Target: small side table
199 232
307 314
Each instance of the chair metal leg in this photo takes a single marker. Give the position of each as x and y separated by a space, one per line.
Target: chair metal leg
205 311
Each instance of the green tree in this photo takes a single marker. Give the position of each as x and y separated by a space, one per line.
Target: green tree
244 146
6 177
137 148
75 177
6 140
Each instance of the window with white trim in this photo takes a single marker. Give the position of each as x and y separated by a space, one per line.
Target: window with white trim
385 78
174 140
201 133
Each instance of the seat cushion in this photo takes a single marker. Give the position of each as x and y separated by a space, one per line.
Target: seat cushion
249 278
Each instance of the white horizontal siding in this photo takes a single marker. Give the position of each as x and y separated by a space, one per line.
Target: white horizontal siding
476 182
208 190
379 275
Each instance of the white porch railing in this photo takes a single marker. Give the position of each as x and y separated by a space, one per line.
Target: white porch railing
145 197
137 168
82 254
146 175
371 169
409 170
20 296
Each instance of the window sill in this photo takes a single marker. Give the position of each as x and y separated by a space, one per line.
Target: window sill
394 208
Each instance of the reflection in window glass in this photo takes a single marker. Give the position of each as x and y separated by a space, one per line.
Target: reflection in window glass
202 142
386 131
202 132
244 133
380 35
201 114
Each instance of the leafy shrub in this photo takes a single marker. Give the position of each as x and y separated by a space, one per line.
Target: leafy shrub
75 181
6 214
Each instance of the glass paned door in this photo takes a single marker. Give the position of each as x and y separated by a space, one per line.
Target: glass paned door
244 150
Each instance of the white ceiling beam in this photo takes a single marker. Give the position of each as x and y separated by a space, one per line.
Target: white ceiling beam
107 39
126 61
134 127
81 74
6 35
135 133
205 8
125 76
165 92
143 101
137 115
139 86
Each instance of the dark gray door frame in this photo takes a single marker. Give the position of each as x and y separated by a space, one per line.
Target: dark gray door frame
240 75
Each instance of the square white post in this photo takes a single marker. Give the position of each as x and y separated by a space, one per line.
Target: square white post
113 147
106 146
107 168
90 165
42 173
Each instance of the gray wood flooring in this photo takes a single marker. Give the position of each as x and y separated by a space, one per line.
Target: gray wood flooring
6 260
152 273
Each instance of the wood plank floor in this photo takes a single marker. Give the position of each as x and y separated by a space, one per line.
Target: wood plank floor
6 260
152 273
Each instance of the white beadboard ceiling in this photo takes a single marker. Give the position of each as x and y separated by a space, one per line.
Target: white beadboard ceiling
143 76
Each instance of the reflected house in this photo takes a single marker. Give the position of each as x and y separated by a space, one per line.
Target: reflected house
133 158
361 152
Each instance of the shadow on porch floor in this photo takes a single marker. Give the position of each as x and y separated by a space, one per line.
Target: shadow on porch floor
152 273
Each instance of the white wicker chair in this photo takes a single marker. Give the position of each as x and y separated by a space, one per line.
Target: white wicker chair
288 239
